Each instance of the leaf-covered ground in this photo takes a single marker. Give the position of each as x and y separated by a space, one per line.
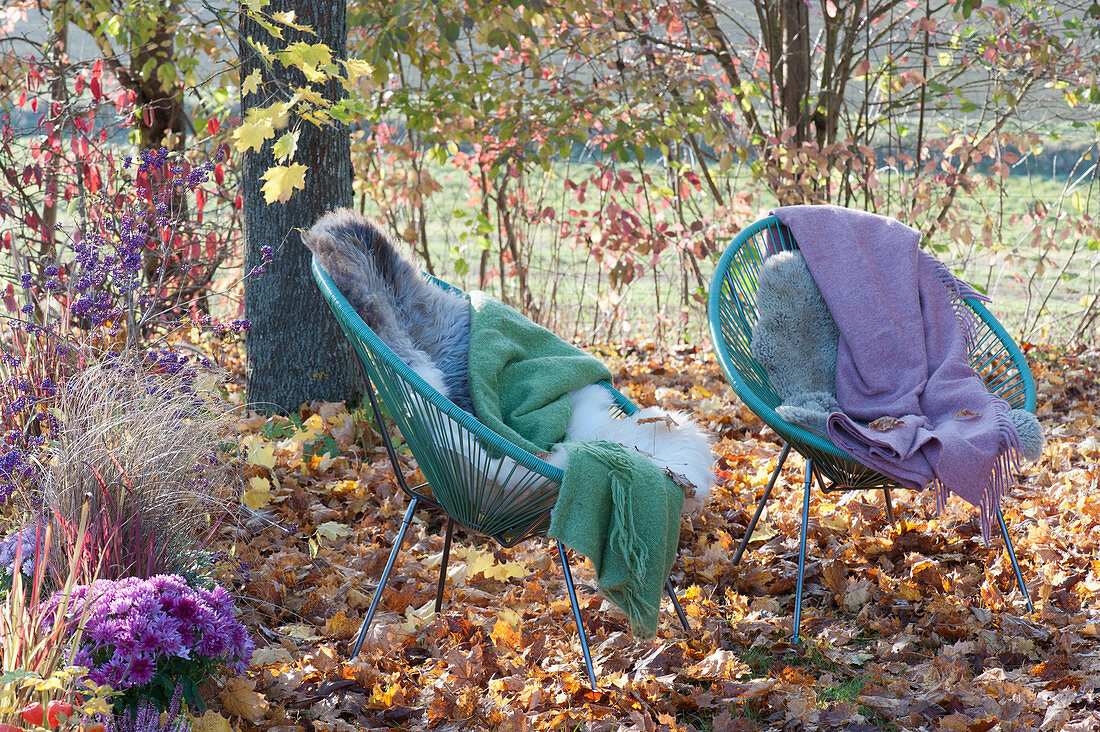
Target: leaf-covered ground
913 626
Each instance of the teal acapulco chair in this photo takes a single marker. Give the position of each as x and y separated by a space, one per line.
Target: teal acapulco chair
477 478
732 314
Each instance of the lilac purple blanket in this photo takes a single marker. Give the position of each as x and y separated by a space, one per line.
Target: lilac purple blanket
903 355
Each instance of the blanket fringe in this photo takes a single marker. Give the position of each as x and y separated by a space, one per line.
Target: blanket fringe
958 292
1000 478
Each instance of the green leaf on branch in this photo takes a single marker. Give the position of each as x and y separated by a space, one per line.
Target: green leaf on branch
286 146
251 83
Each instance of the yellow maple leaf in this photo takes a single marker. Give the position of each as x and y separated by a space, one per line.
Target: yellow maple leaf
486 564
251 83
509 616
251 135
210 722
271 655
506 571
97 705
256 5
282 181
51 684
261 453
272 29
340 626
306 94
318 117
278 113
258 494
337 419
313 59
261 48
320 463
312 428
300 631
356 68
241 699
288 19
417 618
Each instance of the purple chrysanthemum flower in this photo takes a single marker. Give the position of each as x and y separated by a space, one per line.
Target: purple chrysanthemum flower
133 625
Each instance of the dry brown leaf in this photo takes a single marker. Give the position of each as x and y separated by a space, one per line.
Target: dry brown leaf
885 424
240 698
668 421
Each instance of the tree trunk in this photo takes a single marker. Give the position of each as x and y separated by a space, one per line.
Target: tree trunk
162 118
795 89
296 351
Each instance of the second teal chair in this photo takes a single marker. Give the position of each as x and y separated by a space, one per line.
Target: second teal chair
732 314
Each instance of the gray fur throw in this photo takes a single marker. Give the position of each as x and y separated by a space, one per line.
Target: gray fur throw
795 341
426 326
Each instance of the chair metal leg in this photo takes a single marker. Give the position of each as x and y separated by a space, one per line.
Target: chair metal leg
385 577
802 549
760 506
443 565
1015 564
889 507
576 613
671 590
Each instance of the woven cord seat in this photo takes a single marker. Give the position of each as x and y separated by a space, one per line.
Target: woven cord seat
479 479
732 314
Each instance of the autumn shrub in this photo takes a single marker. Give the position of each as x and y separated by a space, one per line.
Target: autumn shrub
136 450
61 161
108 290
604 152
104 419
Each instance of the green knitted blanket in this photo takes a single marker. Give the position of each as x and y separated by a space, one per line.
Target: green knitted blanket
615 506
521 375
622 512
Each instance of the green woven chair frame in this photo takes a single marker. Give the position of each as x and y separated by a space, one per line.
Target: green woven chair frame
731 312
480 480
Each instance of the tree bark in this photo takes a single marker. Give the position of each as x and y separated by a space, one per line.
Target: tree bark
162 120
296 350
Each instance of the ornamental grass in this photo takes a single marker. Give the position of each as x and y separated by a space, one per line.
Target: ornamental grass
140 446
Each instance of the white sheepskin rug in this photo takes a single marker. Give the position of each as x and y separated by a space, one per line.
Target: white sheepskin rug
671 440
